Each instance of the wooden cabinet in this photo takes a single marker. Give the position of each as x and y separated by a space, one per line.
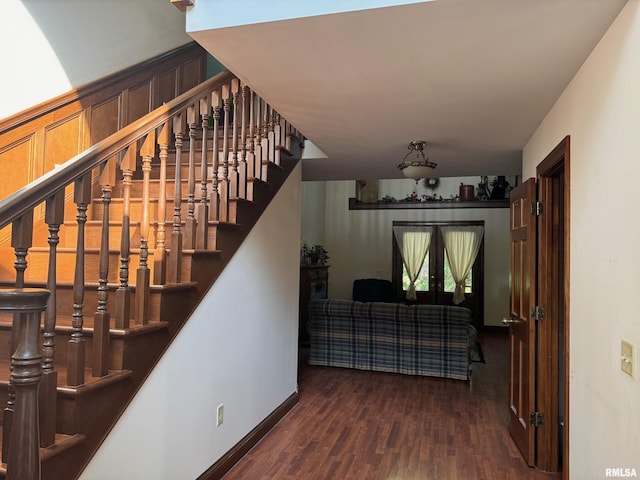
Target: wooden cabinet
314 282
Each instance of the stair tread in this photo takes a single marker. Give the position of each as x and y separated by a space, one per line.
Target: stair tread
116 223
91 382
63 325
111 286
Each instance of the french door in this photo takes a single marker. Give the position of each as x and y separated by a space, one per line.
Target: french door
435 284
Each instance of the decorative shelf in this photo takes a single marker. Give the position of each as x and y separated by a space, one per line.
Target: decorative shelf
356 205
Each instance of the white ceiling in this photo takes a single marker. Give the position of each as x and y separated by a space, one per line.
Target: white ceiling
474 78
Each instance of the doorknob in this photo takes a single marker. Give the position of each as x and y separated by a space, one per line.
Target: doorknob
509 321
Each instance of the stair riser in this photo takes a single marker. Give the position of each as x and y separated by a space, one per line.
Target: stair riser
38 261
116 208
259 192
197 141
64 306
137 187
61 342
93 236
135 210
137 184
184 168
68 235
64 303
38 265
154 189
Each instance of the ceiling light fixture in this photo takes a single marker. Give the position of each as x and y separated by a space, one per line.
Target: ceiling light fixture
417 168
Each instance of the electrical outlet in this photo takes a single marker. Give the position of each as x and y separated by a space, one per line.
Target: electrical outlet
220 415
627 354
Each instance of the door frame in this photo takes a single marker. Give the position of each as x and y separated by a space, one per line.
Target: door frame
553 178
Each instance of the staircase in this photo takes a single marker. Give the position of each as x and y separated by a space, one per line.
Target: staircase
127 238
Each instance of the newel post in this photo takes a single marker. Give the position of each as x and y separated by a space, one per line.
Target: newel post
23 462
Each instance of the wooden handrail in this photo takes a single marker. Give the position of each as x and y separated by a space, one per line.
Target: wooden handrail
25 199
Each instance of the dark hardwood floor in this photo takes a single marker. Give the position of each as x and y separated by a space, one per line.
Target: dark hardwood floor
352 424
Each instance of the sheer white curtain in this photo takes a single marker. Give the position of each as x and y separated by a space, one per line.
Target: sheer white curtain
413 243
461 245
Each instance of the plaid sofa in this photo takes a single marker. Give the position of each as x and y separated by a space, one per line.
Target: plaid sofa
430 340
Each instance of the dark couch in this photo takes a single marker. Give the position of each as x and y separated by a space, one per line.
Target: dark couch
372 290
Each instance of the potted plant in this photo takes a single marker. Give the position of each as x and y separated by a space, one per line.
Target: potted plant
316 255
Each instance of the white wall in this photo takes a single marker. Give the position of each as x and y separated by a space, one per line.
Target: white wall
359 242
239 349
600 109
208 14
49 48
314 202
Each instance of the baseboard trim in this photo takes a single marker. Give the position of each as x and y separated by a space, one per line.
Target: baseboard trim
240 449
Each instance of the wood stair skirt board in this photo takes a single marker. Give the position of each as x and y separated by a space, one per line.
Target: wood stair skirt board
159 306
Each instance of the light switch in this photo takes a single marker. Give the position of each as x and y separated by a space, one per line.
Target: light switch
627 355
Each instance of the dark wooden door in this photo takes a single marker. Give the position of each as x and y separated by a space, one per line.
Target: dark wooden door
521 326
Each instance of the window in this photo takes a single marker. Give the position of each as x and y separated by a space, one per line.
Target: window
435 283
422 283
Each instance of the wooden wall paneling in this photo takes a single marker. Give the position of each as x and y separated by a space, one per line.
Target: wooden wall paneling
56 130
107 86
140 98
105 119
192 74
167 86
62 141
16 165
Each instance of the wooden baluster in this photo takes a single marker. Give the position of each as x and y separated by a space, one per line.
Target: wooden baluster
288 135
242 165
264 160
271 136
159 260
76 355
175 258
257 139
190 222
21 241
234 178
143 275
23 456
214 203
202 209
251 158
101 318
123 293
277 136
223 184
53 217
